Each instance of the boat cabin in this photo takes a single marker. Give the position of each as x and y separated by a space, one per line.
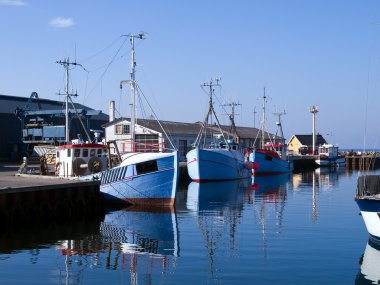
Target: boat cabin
279 148
79 158
328 150
229 145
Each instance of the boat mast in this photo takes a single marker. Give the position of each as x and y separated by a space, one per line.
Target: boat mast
279 124
66 64
209 114
232 118
132 83
263 121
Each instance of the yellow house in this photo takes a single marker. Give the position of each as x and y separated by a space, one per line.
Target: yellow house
303 144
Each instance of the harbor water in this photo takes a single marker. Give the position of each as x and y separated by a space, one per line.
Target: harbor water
302 228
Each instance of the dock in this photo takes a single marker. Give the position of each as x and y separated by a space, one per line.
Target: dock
362 162
30 198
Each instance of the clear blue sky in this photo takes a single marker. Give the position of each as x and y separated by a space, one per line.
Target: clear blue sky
324 53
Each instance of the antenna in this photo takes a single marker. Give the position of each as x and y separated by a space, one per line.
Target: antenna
279 114
232 116
66 64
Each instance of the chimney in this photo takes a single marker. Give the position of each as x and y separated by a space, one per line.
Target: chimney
112 111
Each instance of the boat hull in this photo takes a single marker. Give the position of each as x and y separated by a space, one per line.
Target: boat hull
331 162
124 184
269 165
368 199
215 165
370 211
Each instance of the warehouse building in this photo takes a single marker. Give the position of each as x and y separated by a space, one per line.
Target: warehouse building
27 121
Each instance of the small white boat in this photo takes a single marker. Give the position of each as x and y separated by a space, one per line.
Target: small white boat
216 161
80 159
328 155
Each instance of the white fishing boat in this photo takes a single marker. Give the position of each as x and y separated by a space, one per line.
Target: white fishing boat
78 157
271 158
216 161
328 155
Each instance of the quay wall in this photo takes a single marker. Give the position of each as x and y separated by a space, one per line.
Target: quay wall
48 203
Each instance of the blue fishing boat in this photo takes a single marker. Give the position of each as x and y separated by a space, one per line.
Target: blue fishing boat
272 157
224 161
146 178
142 178
216 161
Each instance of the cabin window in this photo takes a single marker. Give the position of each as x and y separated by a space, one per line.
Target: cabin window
146 167
68 152
77 152
122 129
99 152
57 154
92 152
85 152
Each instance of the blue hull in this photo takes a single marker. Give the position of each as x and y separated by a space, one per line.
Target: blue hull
368 205
124 184
215 165
269 165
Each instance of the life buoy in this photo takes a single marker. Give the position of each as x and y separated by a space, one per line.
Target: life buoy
56 168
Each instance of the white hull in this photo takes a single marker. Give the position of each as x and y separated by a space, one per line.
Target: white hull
372 223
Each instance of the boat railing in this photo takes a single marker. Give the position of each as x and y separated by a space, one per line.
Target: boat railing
146 146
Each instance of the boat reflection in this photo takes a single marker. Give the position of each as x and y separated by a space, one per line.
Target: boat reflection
272 187
142 240
369 264
218 209
324 177
211 195
268 196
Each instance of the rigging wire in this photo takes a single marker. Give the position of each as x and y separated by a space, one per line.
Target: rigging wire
107 67
102 50
154 114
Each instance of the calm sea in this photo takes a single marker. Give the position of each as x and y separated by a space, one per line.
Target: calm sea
291 229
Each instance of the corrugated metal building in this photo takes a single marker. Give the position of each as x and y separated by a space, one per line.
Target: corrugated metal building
11 138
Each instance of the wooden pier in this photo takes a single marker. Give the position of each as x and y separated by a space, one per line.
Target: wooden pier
362 162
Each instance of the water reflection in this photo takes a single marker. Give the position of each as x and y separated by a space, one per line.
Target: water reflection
369 264
268 195
216 195
136 239
324 177
218 208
